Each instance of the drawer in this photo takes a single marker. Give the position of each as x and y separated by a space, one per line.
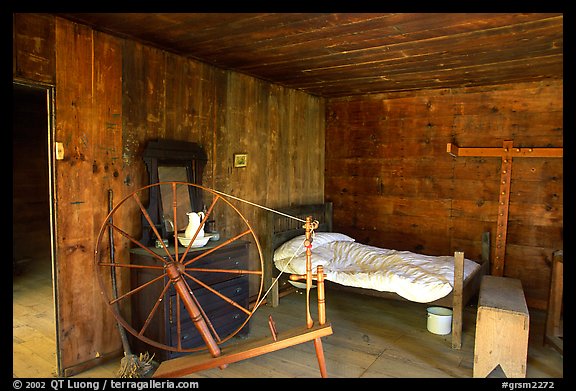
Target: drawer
229 260
232 250
224 324
223 254
235 289
225 317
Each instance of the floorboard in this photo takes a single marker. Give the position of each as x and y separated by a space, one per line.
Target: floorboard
372 338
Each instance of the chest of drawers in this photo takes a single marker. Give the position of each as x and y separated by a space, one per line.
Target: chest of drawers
170 323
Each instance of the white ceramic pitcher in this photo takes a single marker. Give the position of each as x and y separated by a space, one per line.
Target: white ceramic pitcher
194 219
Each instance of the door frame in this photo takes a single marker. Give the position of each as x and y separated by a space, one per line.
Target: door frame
50 109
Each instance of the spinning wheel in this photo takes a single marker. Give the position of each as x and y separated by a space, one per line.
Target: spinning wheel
179 272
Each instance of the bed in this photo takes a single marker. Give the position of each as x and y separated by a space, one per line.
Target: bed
449 281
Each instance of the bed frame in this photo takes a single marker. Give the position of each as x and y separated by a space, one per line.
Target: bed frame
284 228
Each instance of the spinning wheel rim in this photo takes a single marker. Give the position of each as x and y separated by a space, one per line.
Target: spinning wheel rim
111 267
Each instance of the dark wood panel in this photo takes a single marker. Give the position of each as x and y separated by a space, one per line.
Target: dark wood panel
520 106
420 188
513 71
144 93
382 58
531 264
344 54
106 153
392 181
33 47
526 234
401 234
404 33
88 107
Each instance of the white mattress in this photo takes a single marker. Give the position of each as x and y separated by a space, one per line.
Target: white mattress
416 277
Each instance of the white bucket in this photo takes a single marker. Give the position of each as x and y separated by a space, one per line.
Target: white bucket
439 320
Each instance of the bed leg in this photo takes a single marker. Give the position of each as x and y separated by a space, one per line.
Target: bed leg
274 295
457 300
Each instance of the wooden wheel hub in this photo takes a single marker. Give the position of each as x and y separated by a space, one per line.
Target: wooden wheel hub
174 270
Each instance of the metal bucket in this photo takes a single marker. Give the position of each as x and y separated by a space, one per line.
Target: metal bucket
439 320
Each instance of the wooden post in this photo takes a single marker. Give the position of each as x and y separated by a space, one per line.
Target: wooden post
457 300
554 333
506 153
503 204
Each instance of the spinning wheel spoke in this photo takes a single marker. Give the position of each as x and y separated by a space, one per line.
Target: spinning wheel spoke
217 247
139 244
228 271
154 309
226 299
175 222
208 212
130 266
178 324
153 227
136 290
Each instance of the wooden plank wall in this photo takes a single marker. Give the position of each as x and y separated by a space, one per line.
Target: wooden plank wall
394 185
88 122
112 96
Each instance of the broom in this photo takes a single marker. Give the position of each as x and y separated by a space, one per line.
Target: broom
131 365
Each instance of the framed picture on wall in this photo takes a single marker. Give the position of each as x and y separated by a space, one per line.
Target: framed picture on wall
240 160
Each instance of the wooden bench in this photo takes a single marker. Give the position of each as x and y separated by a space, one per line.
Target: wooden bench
502 326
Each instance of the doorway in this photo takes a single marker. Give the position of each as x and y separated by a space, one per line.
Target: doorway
35 347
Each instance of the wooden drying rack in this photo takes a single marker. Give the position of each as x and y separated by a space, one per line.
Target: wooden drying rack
507 152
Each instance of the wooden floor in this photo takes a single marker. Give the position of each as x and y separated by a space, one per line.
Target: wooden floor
372 338
34 330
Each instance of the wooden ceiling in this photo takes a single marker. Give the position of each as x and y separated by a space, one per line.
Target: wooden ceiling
344 54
